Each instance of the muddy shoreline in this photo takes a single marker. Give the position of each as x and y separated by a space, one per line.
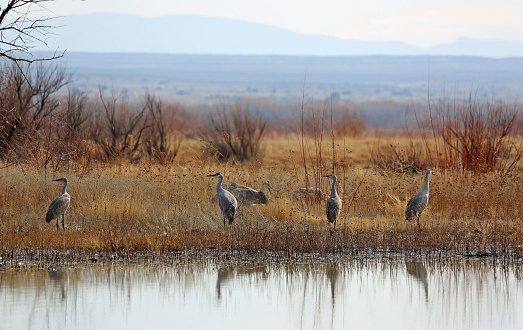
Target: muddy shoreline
27 259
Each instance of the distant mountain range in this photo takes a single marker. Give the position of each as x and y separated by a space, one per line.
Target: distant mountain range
121 33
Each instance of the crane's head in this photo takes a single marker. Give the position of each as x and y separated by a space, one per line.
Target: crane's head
216 175
331 176
266 185
64 180
429 171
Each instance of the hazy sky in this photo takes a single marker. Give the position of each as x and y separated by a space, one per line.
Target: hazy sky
422 23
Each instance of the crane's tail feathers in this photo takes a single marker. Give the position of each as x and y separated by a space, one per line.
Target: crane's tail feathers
232 215
49 216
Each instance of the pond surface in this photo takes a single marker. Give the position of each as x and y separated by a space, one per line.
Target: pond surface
381 293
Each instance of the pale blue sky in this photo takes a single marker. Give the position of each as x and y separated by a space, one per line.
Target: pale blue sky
422 23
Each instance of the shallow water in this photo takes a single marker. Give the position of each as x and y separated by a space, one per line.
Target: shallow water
359 294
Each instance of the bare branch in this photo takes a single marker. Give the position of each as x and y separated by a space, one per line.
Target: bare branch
20 33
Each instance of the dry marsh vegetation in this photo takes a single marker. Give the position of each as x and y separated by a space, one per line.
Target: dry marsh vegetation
137 175
168 208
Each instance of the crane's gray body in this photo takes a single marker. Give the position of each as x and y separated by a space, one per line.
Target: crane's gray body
246 195
215 199
334 202
419 202
59 206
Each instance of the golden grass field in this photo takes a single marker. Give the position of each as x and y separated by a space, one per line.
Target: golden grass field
126 207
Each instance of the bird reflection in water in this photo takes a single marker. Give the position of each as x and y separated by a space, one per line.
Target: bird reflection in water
417 270
332 271
59 277
228 273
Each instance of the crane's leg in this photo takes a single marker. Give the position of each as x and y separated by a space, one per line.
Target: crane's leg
417 219
63 221
334 224
58 223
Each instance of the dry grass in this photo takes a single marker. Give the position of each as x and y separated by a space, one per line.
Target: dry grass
123 207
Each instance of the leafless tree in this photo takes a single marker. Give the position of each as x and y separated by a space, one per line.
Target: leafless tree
20 32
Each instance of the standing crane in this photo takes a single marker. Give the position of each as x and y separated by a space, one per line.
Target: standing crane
334 202
59 206
419 202
227 201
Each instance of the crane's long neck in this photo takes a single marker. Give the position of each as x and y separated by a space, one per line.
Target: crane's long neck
219 185
333 189
266 189
64 187
426 186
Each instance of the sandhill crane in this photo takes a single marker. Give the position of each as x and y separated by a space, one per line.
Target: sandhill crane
248 195
226 200
215 198
307 194
59 206
334 202
419 202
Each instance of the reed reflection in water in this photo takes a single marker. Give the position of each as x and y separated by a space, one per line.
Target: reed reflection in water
385 293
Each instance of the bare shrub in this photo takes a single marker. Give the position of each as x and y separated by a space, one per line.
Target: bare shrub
61 143
235 133
348 120
474 136
409 159
469 135
120 126
29 99
72 128
163 135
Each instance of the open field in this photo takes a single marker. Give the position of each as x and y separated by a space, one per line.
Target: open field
123 207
